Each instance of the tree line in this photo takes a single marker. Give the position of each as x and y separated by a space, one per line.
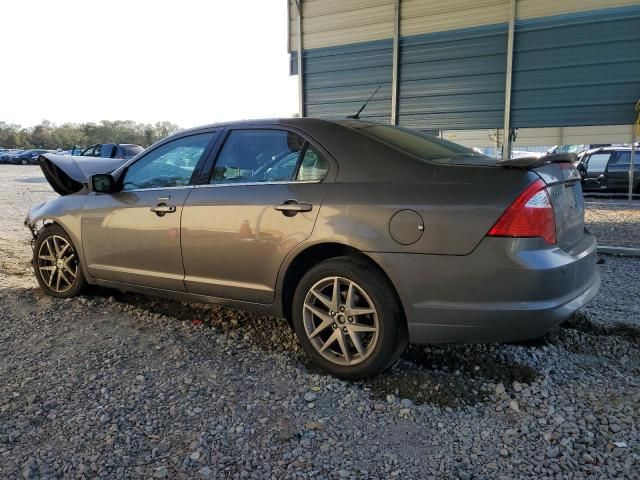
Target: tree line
50 136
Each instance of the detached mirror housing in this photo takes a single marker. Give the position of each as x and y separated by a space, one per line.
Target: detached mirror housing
103 183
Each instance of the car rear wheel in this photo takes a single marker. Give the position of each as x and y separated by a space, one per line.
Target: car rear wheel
348 318
56 263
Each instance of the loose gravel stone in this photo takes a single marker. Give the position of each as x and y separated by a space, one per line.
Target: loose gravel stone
113 385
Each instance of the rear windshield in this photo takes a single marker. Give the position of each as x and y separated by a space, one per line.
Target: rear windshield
421 145
131 150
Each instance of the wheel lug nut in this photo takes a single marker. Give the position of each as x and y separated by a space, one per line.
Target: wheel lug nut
342 309
334 326
351 319
333 314
344 329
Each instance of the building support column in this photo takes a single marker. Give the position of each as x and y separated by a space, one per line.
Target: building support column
301 111
395 67
506 145
632 159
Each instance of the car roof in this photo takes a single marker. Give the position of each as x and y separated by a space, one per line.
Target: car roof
611 149
290 121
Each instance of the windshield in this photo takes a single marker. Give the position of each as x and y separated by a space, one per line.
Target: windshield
416 143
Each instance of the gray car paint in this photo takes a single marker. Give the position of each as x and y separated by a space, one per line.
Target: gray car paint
452 279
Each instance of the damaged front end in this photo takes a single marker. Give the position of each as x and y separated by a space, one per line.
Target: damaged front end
70 174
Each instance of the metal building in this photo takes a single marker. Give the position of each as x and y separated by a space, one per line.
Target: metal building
558 71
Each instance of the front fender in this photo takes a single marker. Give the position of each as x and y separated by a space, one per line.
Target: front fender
66 212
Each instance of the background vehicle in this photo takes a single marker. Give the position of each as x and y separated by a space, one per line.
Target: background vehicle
28 157
5 156
607 169
365 236
110 150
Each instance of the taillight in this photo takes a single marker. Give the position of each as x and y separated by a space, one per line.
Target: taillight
530 215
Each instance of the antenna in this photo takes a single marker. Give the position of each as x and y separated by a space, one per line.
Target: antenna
357 115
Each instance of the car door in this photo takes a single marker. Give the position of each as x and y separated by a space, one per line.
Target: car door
133 236
618 171
596 171
261 200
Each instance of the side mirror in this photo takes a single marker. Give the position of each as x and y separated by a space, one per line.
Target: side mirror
103 183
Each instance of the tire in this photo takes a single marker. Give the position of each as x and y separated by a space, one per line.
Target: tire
54 248
381 331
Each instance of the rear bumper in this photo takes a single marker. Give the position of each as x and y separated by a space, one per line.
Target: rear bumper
505 290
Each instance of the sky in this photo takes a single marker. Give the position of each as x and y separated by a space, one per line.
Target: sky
190 62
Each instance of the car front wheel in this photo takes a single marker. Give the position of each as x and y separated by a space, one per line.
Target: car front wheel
348 318
56 263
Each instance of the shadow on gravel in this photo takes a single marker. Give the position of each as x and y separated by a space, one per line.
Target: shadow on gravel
446 376
582 323
32 180
449 376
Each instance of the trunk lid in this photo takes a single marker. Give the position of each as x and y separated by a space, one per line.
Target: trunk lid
69 174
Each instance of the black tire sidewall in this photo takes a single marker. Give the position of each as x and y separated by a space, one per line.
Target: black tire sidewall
381 293
79 282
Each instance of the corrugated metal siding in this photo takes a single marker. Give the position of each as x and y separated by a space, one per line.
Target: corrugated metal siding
427 16
547 8
545 136
577 69
339 79
328 23
453 79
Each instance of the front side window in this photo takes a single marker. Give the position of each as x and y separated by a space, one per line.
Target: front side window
89 152
170 165
598 163
250 156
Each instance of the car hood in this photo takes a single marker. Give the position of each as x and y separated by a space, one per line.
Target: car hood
69 174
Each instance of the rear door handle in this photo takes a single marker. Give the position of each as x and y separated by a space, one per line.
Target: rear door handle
292 207
161 209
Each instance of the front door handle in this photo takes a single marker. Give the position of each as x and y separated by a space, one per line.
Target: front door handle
162 208
292 207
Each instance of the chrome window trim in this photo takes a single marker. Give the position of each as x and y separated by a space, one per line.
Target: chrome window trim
253 184
152 189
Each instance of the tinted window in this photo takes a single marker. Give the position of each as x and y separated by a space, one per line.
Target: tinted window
625 158
130 150
598 162
170 165
250 156
313 166
107 150
416 143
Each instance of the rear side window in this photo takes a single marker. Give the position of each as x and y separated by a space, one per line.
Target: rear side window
255 156
313 166
107 150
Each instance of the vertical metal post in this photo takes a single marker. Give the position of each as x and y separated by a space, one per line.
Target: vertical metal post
300 71
632 160
506 144
396 56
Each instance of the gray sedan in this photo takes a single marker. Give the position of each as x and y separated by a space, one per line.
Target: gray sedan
365 236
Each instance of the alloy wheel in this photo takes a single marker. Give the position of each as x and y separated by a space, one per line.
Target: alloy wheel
340 321
57 263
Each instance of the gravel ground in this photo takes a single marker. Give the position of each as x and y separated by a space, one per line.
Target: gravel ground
615 222
118 385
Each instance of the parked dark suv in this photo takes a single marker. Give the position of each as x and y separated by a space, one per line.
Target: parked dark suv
607 169
111 150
